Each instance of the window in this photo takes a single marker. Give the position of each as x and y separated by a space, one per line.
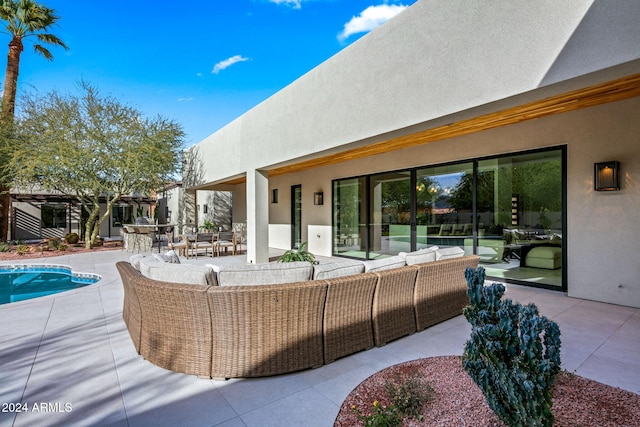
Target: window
54 216
121 214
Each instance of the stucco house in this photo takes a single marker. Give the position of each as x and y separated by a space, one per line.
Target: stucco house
484 125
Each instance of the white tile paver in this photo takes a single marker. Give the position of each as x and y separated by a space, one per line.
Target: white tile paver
74 348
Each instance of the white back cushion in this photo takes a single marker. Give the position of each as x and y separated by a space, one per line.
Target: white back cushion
337 269
448 253
420 256
384 264
264 274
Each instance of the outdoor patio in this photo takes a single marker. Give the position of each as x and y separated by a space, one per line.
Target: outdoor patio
72 352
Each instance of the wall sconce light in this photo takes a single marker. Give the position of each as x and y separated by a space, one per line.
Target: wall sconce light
274 195
318 198
606 176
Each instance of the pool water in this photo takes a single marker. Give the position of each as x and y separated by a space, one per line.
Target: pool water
23 282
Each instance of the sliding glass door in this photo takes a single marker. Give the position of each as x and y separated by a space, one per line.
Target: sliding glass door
444 208
508 209
389 214
521 221
350 217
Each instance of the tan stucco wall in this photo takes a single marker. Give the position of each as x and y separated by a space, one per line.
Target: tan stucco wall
603 229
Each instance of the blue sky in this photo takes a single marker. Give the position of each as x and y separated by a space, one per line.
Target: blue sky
201 64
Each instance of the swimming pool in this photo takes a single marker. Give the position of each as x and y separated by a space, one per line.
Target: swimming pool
23 282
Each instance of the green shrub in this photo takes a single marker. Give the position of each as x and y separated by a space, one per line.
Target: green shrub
300 254
22 249
380 417
513 354
409 395
72 238
407 398
5 247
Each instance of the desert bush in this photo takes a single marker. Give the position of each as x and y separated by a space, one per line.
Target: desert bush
72 238
53 243
407 396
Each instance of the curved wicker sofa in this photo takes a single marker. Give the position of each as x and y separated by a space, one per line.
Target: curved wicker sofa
254 331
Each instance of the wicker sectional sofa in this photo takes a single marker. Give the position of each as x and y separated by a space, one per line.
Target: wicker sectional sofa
227 331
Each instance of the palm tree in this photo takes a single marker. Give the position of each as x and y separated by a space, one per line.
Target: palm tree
24 18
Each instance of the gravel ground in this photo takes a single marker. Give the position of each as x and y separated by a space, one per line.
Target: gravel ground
34 252
457 401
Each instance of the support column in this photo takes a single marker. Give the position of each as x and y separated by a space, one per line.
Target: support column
257 217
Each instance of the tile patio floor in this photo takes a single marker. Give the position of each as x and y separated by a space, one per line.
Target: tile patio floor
73 348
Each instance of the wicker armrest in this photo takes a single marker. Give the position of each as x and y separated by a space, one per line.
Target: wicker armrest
176 325
441 290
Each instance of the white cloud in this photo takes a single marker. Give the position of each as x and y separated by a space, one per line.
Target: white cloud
370 18
227 63
185 99
296 4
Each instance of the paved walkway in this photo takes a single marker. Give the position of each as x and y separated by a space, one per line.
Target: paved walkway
70 357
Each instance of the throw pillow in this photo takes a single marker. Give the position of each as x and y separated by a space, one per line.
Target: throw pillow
170 257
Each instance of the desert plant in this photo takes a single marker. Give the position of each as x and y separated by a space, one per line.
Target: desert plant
53 243
5 247
72 238
409 395
300 254
22 249
513 354
380 417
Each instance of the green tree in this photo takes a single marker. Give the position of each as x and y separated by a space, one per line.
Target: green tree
23 19
93 148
